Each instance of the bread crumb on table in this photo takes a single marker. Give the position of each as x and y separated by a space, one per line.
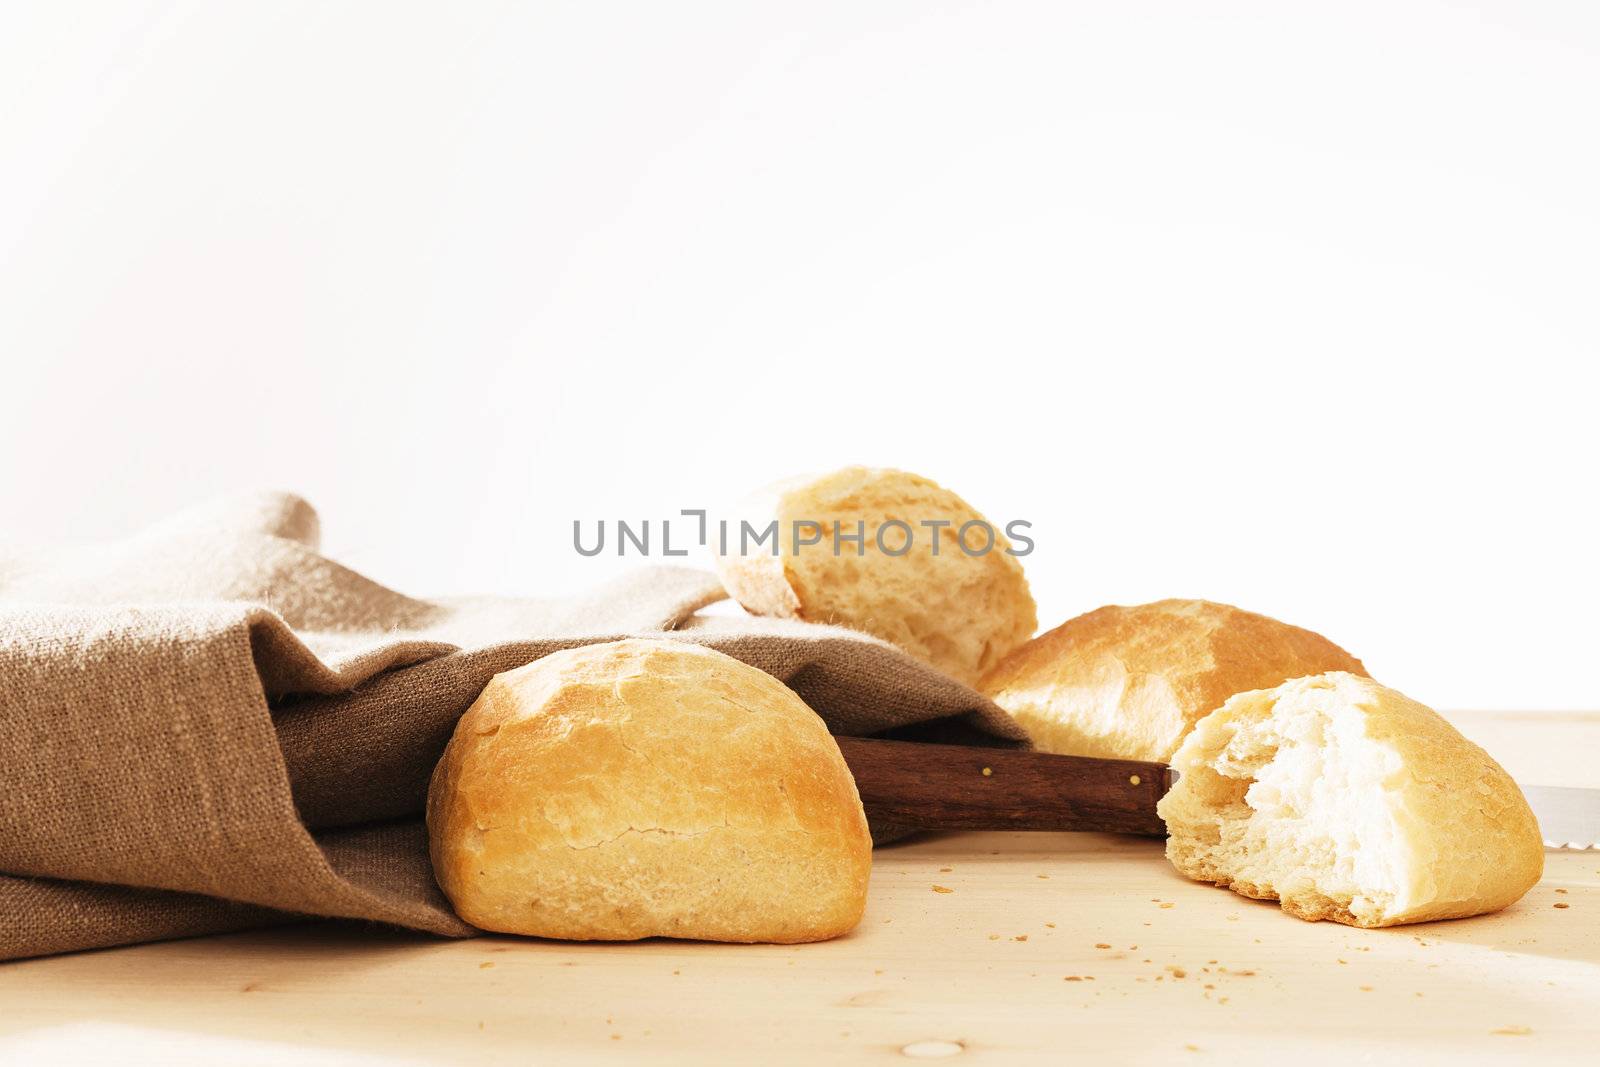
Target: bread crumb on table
1101 944
943 889
1560 905
1020 937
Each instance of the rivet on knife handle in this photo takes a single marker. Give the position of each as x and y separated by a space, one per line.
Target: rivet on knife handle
960 787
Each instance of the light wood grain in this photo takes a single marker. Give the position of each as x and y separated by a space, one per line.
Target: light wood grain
1165 971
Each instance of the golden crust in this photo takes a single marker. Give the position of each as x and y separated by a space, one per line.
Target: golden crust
960 613
1130 682
648 788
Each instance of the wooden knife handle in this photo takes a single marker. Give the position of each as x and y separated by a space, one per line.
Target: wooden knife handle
960 787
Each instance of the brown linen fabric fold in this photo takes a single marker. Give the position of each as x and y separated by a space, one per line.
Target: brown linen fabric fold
211 726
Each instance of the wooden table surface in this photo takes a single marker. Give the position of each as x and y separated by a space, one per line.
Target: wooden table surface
1036 948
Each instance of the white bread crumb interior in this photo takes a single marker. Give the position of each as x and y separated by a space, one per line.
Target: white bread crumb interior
1346 800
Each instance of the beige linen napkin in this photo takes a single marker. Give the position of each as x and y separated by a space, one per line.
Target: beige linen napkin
210 725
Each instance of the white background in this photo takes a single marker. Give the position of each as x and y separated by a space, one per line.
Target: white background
1292 306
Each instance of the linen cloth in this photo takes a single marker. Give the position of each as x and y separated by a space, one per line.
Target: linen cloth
211 726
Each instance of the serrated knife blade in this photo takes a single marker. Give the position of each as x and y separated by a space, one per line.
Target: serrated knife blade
1569 817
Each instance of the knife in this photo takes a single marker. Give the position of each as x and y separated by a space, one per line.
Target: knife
929 786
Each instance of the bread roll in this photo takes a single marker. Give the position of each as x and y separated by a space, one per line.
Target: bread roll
958 610
645 788
1129 683
1345 800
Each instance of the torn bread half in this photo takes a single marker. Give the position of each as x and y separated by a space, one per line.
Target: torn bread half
1345 800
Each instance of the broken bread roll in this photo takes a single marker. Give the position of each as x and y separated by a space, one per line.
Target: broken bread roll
1345 800
1130 682
886 552
647 788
